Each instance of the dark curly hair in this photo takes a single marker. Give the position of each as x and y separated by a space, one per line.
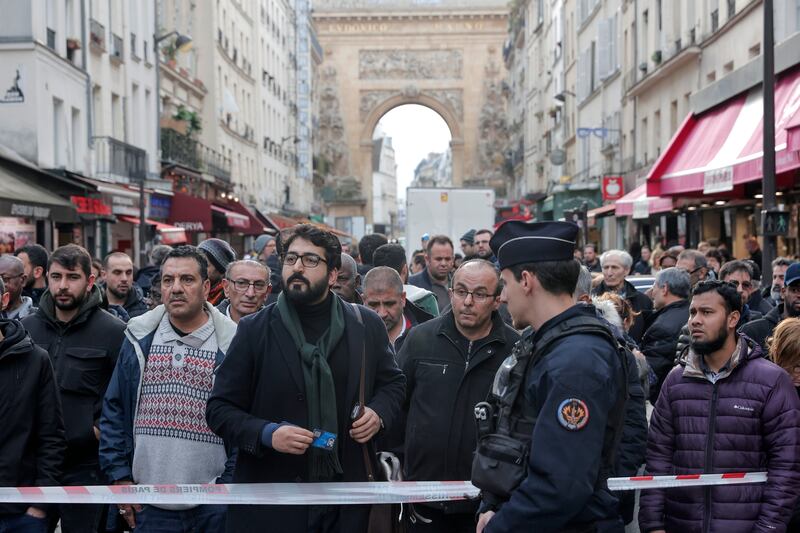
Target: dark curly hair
733 302
317 237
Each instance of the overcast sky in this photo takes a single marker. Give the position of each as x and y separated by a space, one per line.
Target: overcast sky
416 131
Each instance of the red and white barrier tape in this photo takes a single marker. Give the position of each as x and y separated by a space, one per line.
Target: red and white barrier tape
249 494
322 493
685 480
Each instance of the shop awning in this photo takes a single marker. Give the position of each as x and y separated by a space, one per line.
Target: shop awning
234 220
721 148
169 234
602 211
21 198
281 222
190 213
639 205
255 226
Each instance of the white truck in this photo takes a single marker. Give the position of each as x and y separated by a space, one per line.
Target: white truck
447 211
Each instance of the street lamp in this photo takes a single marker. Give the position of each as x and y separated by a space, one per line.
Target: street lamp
562 96
183 43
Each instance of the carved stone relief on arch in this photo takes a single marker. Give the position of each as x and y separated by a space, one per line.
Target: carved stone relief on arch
453 99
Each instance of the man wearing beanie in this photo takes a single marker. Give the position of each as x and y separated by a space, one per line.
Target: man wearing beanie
468 245
219 254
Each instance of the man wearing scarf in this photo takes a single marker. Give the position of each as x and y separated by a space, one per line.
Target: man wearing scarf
219 255
287 394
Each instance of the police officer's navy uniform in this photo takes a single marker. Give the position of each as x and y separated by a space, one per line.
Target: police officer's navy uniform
556 406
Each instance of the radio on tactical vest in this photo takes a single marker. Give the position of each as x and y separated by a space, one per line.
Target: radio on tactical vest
505 425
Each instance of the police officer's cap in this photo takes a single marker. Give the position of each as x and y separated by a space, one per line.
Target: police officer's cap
517 242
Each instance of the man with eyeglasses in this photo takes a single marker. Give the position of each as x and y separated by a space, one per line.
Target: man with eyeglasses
12 271
288 393
693 263
760 330
740 275
246 287
153 428
450 363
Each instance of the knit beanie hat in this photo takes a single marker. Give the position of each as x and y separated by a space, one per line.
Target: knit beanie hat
219 253
261 242
469 237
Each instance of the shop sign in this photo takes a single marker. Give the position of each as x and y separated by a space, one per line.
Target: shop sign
14 94
15 233
160 206
641 208
124 206
189 226
25 210
90 206
613 188
718 180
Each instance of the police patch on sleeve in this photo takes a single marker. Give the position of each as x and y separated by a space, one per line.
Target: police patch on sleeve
573 414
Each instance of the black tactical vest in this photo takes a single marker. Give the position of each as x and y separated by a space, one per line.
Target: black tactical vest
505 423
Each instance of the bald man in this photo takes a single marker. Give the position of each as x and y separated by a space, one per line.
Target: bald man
348 281
12 271
384 294
450 363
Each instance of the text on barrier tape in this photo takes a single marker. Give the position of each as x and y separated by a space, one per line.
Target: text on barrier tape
685 480
249 494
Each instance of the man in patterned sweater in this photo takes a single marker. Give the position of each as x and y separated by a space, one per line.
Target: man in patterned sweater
153 428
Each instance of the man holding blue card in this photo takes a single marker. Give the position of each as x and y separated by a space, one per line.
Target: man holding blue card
287 394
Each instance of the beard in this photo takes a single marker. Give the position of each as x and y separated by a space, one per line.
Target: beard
311 294
73 303
791 310
118 293
710 346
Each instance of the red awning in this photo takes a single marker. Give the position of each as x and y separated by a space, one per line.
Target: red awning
721 148
603 210
638 205
255 226
169 234
234 220
190 213
281 222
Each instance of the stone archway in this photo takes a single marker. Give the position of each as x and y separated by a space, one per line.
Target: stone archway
447 57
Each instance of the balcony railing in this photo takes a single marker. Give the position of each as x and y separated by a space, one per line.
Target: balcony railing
119 161
186 151
97 33
215 163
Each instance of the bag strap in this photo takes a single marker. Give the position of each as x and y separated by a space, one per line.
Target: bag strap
361 394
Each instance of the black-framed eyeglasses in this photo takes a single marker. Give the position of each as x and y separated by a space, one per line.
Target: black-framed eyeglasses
241 285
308 260
690 272
745 284
478 296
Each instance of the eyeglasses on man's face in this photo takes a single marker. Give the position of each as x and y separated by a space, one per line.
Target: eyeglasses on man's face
241 285
308 260
478 296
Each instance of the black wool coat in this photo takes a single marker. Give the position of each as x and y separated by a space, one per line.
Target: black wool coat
261 381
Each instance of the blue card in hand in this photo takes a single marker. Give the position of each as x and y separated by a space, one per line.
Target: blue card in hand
324 440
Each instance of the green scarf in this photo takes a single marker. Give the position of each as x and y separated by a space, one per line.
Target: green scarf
320 390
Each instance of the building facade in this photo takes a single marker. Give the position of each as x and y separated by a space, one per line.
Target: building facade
384 186
80 100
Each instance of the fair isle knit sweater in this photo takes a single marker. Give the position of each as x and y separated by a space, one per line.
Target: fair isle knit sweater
173 443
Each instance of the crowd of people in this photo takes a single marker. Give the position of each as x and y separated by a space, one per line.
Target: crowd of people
533 368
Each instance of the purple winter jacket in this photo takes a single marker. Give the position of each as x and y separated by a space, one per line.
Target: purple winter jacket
748 421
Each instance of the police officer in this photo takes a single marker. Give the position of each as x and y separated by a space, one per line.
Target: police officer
548 433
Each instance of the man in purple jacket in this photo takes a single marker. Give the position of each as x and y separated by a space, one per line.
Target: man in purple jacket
724 409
